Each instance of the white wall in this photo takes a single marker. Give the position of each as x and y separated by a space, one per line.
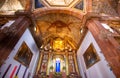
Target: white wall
28 39
99 70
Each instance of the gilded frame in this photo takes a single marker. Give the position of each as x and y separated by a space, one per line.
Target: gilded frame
90 56
24 55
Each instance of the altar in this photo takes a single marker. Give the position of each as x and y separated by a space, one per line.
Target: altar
58 57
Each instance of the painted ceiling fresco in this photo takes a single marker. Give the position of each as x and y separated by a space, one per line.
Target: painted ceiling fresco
59 25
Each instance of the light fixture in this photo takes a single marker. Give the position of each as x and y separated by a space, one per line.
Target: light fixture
35 29
81 30
50 47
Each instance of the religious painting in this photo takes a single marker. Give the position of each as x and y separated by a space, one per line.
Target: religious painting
90 56
24 55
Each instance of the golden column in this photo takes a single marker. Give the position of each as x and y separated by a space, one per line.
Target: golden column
76 64
67 71
39 63
49 62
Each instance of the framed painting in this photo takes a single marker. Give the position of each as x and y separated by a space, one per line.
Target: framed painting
90 56
24 55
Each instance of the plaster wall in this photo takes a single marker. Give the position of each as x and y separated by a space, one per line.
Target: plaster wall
28 39
101 69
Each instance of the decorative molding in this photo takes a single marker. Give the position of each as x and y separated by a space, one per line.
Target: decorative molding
114 23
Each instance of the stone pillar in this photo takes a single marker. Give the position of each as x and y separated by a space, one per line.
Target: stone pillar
19 26
109 50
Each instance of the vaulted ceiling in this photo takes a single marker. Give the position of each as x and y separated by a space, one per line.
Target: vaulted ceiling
59 25
60 18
